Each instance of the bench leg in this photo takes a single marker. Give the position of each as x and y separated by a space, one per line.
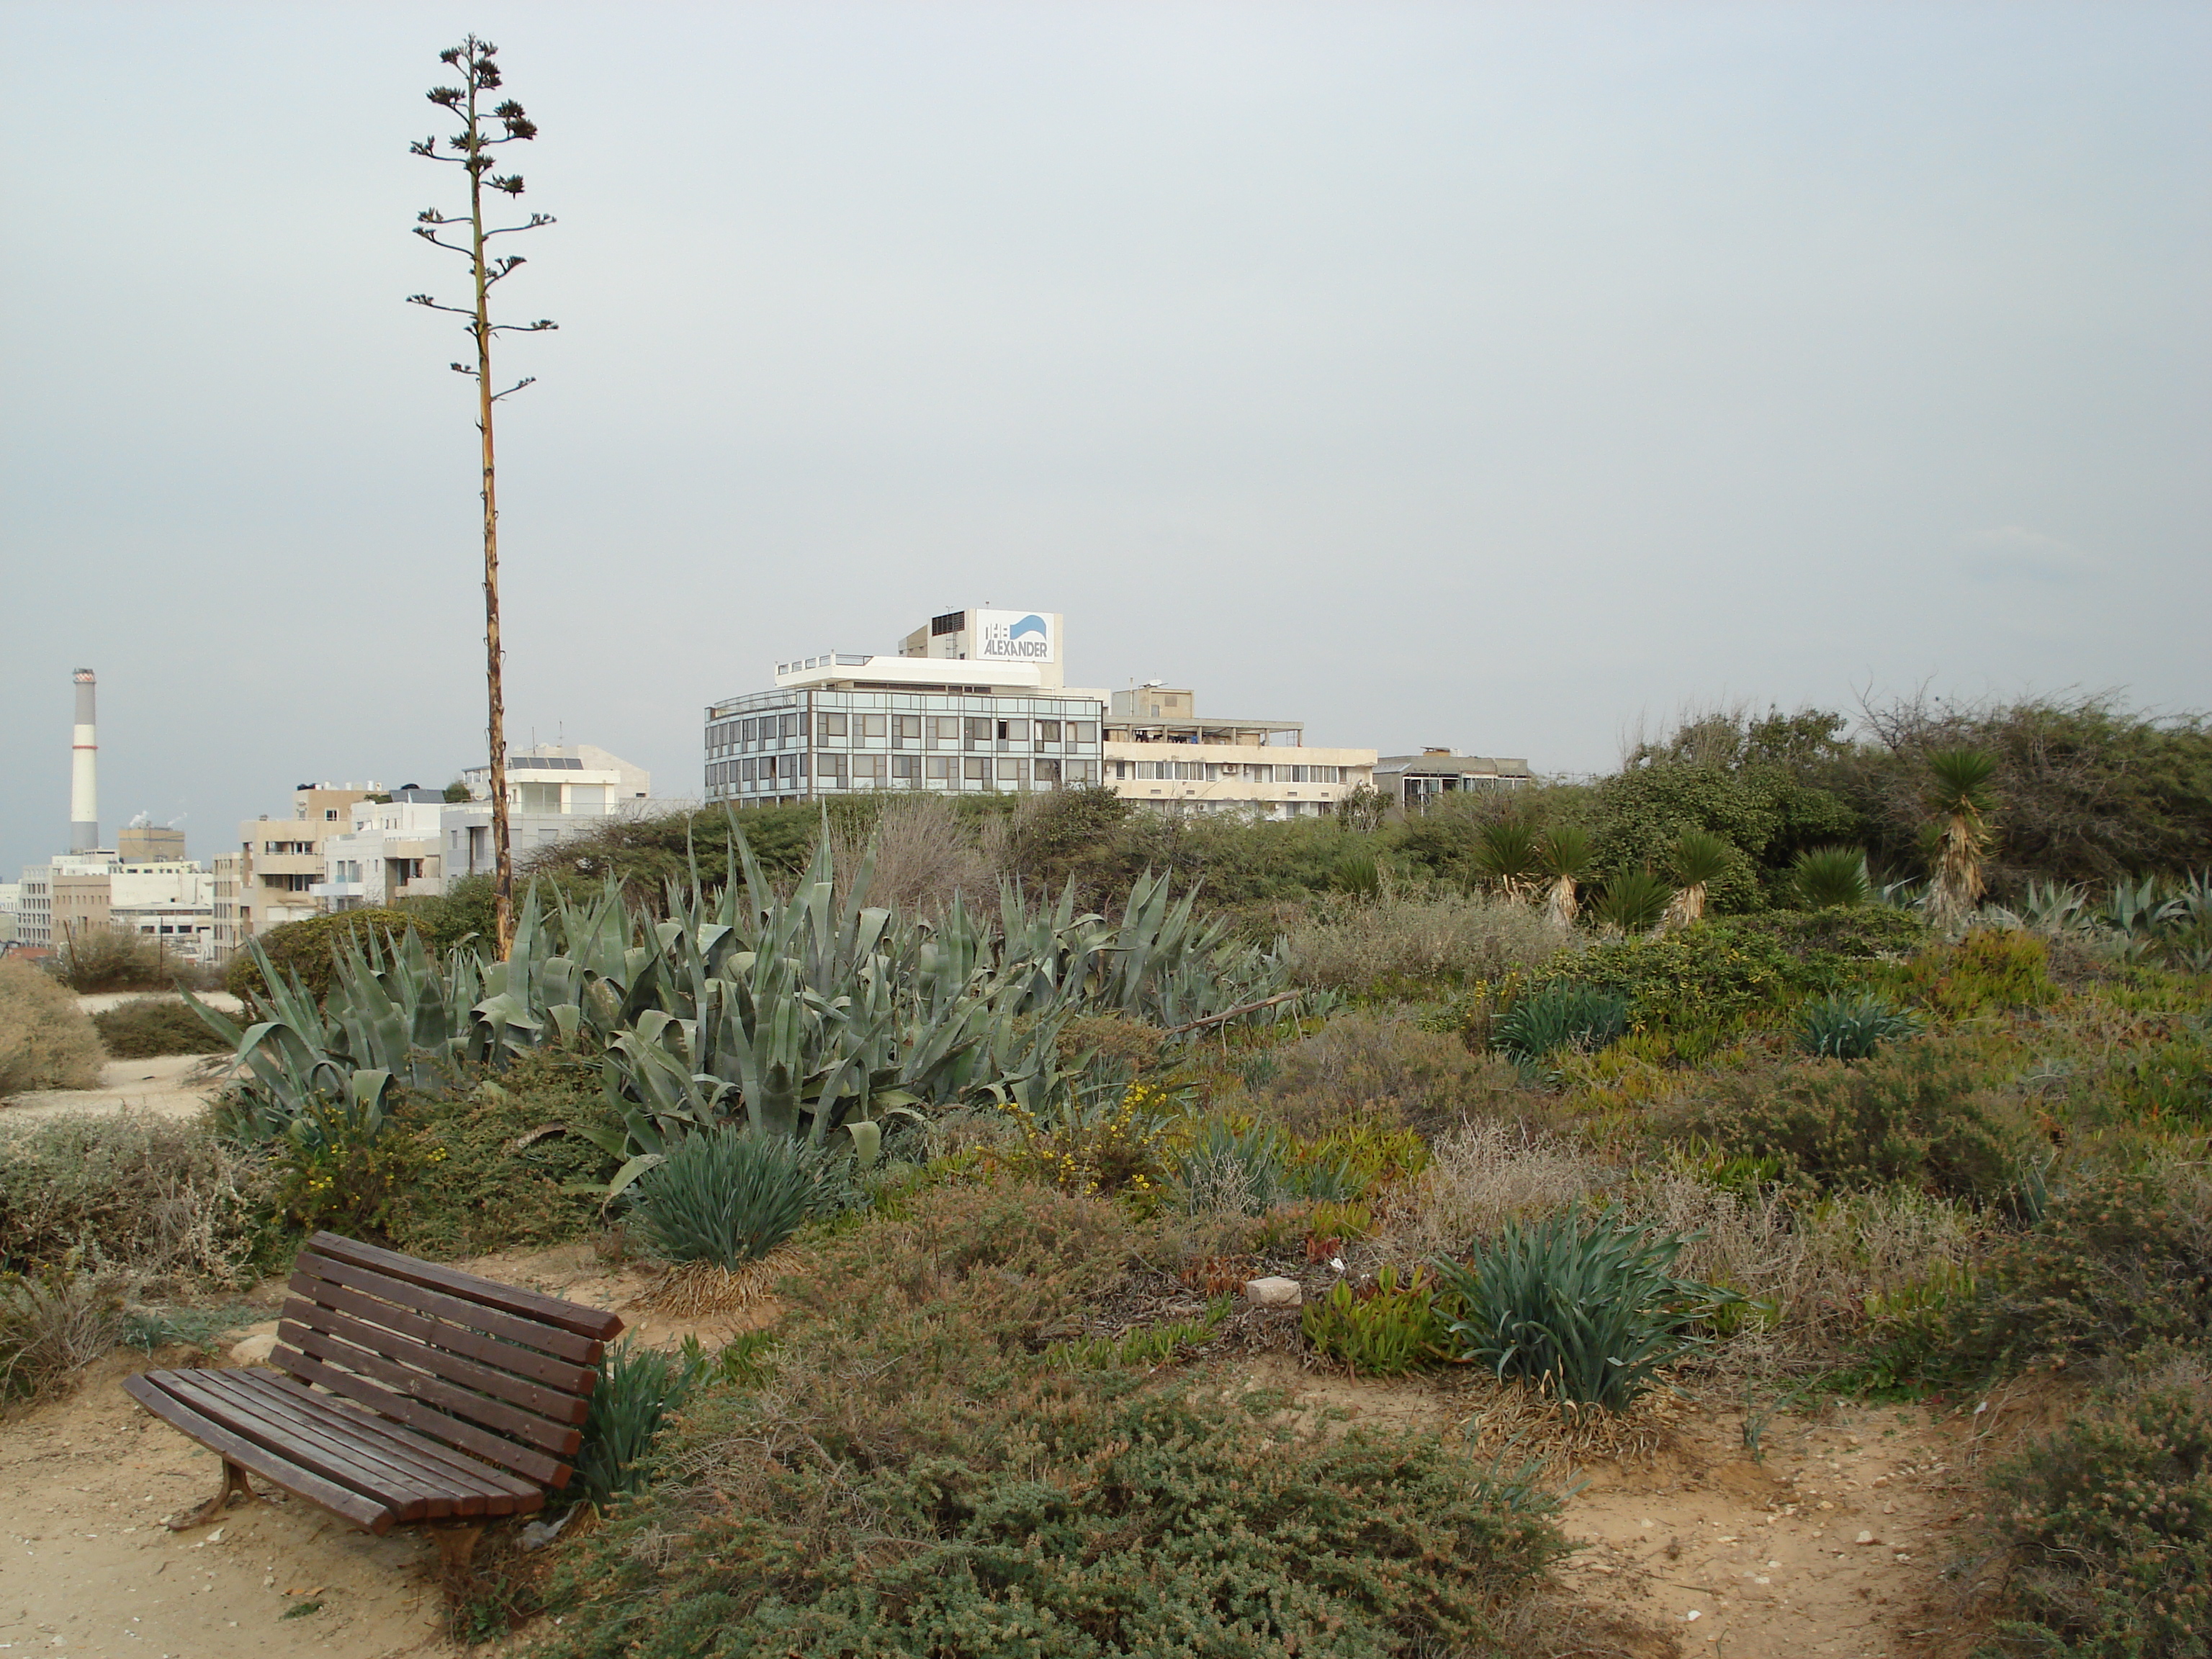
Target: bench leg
456 1546
233 1481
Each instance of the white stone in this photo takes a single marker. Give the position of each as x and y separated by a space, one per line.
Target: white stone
1273 1292
254 1350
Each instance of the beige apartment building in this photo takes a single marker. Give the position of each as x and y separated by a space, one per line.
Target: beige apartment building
1160 752
271 878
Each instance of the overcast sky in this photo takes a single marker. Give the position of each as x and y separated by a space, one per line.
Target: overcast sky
1490 376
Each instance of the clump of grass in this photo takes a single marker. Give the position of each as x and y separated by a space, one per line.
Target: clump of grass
1393 941
1485 1174
1562 1016
1844 1027
1585 1307
637 1391
51 1323
1248 1169
45 1042
727 1196
147 1026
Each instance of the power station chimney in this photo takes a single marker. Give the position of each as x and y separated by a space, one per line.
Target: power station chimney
84 770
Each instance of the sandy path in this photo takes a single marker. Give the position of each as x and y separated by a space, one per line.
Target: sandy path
90 1571
169 1085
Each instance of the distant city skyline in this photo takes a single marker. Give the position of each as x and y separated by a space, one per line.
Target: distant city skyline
1501 377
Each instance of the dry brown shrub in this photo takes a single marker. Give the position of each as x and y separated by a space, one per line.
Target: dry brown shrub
52 1324
1418 938
46 1042
1484 1173
1360 1063
924 856
1115 1039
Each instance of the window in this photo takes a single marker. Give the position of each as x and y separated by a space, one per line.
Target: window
745 770
829 767
868 768
748 730
906 766
537 797
1015 772
1083 771
979 732
1014 731
906 728
1083 731
1047 772
975 769
587 798
787 726
1047 731
871 726
945 728
940 768
829 725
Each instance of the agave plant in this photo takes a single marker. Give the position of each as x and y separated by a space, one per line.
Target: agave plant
1563 852
1961 801
1701 858
1633 902
1831 878
1507 854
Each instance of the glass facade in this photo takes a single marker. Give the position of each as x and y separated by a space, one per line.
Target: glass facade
800 745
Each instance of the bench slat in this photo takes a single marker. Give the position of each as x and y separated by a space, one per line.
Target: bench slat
576 1380
374 1433
593 1322
540 1403
326 1494
409 1496
418 1409
562 1345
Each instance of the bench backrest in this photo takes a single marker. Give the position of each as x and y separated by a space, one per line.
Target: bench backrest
503 1374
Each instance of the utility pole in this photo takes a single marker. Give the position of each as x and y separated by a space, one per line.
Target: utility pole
472 150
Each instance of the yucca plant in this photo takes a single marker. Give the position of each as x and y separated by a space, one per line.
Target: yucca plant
1506 854
728 1195
1633 902
1701 859
1960 800
1358 874
1842 1027
1582 1017
1831 878
1585 1307
1563 852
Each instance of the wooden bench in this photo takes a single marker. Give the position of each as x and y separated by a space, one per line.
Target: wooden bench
409 1393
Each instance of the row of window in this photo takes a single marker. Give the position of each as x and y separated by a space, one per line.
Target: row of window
1202 771
784 771
731 736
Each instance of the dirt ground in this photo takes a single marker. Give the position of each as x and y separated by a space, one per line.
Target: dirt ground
1833 1542
169 1085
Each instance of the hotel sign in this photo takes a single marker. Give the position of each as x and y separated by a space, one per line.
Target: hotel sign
1010 636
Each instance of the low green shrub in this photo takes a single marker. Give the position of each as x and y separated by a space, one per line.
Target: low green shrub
46 1042
1364 1066
1582 1306
727 1196
131 1195
1231 1168
1103 1523
147 1026
2120 1261
1914 1113
1710 972
1842 1027
1146 1347
2108 1527
1383 1329
309 949
502 1165
1562 1015
1633 901
1990 969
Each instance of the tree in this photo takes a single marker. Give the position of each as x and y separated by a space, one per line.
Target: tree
472 150
1701 858
1564 852
1959 796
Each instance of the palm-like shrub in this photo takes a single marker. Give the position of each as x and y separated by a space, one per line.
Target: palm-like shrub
1633 902
1843 1027
1701 858
1563 1015
1563 852
1506 854
1585 1307
1960 798
1831 878
727 1194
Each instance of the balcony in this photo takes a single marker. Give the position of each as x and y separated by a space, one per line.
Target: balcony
338 889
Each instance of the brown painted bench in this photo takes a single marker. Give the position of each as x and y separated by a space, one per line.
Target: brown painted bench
408 1393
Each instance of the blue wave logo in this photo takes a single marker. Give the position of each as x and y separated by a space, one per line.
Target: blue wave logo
1027 625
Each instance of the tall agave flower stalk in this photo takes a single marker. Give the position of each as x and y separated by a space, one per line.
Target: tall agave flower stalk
1701 858
1563 852
1960 798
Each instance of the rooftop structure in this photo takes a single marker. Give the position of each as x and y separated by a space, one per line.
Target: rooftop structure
1414 780
1160 752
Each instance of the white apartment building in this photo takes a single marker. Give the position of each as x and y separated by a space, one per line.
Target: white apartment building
412 845
1160 753
170 900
